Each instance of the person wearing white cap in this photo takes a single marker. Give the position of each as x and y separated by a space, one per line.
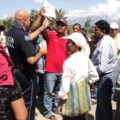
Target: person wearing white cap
75 67
115 35
114 25
82 42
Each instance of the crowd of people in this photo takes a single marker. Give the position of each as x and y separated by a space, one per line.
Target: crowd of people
35 57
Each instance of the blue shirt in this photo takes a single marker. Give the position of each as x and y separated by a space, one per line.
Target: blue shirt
104 57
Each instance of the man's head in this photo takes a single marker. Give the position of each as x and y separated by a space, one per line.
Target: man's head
102 28
61 26
113 29
76 27
22 17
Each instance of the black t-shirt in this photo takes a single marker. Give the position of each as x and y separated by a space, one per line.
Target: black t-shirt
8 94
20 47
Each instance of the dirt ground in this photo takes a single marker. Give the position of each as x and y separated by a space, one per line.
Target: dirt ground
91 114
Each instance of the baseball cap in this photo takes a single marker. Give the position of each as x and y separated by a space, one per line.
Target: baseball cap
114 25
77 38
61 21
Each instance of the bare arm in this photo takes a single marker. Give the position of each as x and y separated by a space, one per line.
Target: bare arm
37 23
19 109
44 25
39 20
34 59
35 34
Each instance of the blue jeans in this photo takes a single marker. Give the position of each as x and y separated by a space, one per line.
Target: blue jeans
51 88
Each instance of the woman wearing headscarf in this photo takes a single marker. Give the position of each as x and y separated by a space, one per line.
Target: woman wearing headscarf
75 68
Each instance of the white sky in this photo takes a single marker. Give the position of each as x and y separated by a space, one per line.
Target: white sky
110 9
73 8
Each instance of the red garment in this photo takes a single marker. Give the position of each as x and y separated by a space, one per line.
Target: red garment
6 77
56 52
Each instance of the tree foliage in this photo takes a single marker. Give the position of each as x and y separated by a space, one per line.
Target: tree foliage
60 14
7 22
89 28
33 15
87 25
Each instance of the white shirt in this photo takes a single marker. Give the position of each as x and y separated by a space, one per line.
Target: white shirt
104 56
117 41
74 68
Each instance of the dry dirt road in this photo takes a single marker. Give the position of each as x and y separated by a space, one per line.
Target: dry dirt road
91 114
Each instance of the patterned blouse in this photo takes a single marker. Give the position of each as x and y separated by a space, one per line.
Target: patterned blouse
7 95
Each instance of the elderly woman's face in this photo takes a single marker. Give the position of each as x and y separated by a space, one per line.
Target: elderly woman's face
71 47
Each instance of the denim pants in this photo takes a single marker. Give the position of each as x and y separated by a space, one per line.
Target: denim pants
51 88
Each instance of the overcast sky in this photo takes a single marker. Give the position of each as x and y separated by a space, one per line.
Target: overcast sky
74 8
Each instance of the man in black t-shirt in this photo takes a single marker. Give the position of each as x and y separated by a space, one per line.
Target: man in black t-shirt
25 55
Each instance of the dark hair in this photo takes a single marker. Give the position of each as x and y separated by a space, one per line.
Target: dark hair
104 26
2 28
77 24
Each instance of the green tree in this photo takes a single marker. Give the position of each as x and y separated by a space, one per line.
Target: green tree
60 14
8 22
33 15
1 22
87 26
